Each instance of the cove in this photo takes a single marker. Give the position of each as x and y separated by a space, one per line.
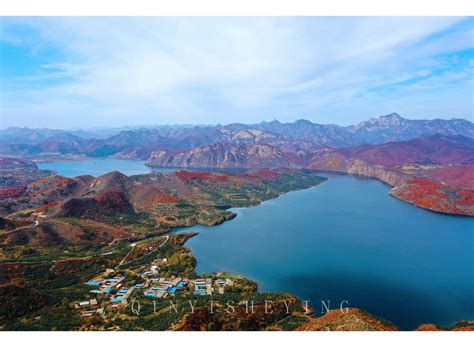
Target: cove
347 239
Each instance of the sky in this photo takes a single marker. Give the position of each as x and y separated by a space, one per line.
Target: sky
86 72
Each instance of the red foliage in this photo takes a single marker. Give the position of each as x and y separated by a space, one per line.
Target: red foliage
190 176
259 176
220 178
11 192
48 186
467 198
427 193
46 206
267 174
458 176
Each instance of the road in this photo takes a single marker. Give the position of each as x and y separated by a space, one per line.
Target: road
126 256
122 262
35 224
123 238
163 243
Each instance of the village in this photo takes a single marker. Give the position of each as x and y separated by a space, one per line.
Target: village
111 289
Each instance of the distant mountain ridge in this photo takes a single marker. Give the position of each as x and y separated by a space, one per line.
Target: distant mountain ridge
299 135
429 150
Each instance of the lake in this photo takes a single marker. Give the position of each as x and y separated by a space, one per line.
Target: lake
346 239
100 166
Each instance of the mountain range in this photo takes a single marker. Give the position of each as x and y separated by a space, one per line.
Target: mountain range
429 163
301 135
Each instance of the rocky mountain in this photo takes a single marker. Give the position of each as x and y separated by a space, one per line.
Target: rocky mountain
140 144
224 155
436 149
393 127
383 129
300 135
320 135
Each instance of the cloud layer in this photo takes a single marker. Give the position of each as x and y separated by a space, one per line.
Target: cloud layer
82 72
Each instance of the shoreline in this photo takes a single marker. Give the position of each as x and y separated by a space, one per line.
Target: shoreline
392 187
224 170
190 229
279 194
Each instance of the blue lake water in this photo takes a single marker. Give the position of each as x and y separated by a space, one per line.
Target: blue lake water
100 166
345 239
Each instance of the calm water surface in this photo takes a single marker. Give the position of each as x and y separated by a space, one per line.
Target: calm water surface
345 239
100 166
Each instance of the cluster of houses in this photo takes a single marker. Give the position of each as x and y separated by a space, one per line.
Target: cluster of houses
89 308
154 268
111 287
204 286
162 287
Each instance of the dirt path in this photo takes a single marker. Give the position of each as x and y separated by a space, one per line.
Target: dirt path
162 244
126 256
133 245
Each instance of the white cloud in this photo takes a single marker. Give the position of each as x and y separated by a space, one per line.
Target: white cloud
209 70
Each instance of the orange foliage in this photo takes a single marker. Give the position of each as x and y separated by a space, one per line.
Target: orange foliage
166 199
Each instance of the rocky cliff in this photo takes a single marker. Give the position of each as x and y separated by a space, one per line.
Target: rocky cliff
222 155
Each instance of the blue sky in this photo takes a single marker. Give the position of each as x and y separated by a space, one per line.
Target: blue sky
69 72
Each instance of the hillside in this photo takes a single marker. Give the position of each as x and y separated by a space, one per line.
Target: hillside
352 320
63 232
434 173
56 207
446 161
15 174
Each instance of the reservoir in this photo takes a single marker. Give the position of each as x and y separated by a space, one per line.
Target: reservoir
100 166
346 239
